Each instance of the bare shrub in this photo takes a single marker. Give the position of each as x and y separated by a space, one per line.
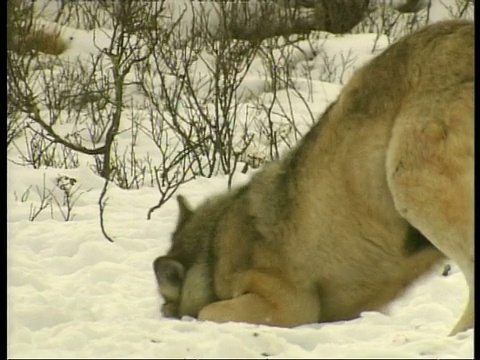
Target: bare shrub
27 35
47 196
463 9
45 201
181 88
57 100
393 23
175 164
199 106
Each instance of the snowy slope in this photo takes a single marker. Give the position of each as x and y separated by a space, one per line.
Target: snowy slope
73 294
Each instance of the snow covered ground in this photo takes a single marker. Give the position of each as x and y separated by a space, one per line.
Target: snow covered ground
73 294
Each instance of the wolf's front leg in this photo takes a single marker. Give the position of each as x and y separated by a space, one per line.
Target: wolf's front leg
249 308
261 298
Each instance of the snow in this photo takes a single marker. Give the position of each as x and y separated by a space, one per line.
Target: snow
73 294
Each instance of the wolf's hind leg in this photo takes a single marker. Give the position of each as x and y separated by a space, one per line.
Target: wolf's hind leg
261 298
430 175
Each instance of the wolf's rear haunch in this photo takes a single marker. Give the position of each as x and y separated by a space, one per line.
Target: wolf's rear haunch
376 193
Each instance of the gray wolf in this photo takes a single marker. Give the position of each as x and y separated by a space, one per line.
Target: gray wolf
375 194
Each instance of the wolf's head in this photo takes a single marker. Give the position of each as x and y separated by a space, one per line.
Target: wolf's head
185 274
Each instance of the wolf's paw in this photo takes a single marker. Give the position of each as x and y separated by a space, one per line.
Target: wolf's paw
248 308
217 312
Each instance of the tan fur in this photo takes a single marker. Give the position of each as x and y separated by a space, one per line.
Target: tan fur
321 235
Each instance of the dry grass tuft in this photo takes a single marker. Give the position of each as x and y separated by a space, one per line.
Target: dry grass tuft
39 39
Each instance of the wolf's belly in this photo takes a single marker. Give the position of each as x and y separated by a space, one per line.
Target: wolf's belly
343 299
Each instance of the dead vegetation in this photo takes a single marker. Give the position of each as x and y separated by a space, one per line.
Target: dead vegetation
25 34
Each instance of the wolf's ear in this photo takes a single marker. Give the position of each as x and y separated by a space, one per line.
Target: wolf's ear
168 271
185 210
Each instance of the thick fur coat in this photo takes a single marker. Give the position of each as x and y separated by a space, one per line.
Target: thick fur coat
376 193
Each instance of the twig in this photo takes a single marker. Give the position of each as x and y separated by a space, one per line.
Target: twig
102 201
